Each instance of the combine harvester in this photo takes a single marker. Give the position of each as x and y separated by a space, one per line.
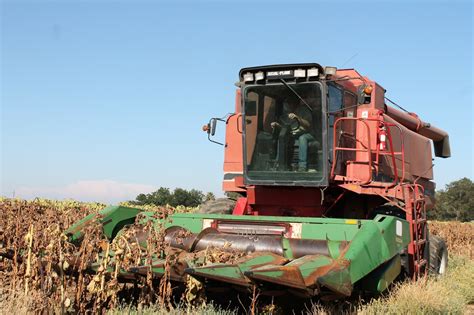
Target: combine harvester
334 186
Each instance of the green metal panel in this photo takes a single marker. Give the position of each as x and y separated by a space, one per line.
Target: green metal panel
308 264
379 279
235 273
376 242
117 217
113 218
200 216
312 228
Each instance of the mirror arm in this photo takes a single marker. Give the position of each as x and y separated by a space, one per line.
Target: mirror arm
209 138
211 130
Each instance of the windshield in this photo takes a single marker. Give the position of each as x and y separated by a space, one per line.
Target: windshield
283 132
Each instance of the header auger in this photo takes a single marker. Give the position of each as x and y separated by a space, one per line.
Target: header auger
332 186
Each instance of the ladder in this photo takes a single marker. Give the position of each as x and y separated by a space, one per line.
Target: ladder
416 216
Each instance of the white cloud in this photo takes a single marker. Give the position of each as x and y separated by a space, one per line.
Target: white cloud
107 191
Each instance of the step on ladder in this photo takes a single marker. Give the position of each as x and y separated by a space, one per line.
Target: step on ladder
416 216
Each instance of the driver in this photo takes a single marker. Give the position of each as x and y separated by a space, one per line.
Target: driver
299 118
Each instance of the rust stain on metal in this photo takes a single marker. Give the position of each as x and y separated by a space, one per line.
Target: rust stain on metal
291 276
276 259
338 265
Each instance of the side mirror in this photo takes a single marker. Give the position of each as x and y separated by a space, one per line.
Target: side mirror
213 124
210 128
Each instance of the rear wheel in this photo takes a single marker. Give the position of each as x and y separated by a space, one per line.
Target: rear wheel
218 206
438 255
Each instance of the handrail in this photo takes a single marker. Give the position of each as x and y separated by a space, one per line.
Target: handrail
368 149
392 152
336 148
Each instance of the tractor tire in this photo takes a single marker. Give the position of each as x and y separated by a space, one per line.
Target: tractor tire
218 206
438 255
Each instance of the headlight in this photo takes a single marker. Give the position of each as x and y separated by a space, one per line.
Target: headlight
248 77
299 73
330 70
259 76
313 72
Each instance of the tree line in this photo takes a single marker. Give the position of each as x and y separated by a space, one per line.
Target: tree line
178 197
455 202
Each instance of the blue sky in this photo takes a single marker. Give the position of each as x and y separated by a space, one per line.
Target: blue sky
102 100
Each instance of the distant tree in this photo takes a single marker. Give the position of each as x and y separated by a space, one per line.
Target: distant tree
183 197
160 197
233 195
209 196
455 202
179 197
141 199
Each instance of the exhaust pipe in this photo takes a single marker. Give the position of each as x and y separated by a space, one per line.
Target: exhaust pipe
411 121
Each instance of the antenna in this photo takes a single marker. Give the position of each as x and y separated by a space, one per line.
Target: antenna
353 56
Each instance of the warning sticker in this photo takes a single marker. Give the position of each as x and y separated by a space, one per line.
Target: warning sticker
399 228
